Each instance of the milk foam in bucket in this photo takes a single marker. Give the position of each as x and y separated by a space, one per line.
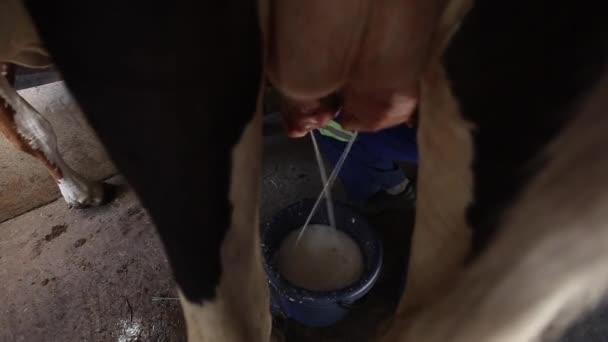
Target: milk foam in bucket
324 259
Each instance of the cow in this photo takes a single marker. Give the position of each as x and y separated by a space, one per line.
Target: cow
510 235
22 124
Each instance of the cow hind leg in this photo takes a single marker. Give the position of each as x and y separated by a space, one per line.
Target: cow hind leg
31 133
547 263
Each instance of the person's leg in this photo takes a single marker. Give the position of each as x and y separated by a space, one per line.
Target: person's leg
370 167
396 143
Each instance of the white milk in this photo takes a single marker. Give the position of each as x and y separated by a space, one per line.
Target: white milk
325 259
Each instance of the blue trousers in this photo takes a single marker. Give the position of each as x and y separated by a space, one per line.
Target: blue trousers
371 164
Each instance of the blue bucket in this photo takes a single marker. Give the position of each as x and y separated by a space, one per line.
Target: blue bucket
316 308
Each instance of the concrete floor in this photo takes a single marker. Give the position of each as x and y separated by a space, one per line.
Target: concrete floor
94 275
101 274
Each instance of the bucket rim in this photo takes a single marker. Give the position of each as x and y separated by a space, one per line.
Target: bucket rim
348 294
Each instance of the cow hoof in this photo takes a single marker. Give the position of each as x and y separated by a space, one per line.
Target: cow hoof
95 194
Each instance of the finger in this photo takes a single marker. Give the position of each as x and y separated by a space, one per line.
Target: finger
298 123
300 129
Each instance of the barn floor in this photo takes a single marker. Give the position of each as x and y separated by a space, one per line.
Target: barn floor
101 275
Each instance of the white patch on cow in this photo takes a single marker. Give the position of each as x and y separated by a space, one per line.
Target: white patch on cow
240 311
442 236
39 135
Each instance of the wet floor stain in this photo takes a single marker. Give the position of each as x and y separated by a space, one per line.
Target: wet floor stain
37 249
134 211
56 231
80 242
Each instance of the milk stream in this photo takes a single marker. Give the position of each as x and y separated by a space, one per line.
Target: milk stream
328 201
327 259
327 185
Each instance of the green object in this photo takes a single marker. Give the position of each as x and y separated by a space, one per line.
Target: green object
336 131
